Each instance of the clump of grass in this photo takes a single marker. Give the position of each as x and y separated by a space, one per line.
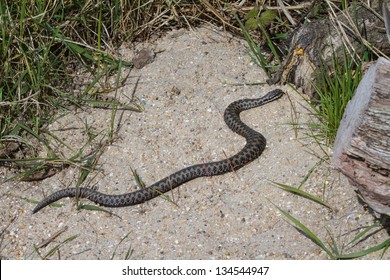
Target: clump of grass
332 249
36 51
42 45
334 87
337 79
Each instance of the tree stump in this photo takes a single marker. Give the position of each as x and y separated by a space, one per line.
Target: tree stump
315 43
362 146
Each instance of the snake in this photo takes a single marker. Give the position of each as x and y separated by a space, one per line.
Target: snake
254 147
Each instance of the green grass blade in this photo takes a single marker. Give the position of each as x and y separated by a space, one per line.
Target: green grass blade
31 132
133 106
111 130
257 57
129 253
138 180
90 207
333 245
302 193
57 247
117 246
311 170
86 170
16 138
361 234
308 232
33 201
384 245
270 44
22 18
166 197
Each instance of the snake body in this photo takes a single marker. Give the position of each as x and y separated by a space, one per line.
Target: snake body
255 145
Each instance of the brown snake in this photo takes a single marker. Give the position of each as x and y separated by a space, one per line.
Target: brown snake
255 145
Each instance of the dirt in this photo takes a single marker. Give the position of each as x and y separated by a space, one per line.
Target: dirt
184 91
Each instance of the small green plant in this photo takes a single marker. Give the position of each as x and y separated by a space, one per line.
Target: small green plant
256 20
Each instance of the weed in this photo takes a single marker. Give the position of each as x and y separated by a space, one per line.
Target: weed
254 21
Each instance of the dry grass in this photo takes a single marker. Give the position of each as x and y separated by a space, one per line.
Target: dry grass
44 45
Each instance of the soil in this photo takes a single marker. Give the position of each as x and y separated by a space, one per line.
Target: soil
184 90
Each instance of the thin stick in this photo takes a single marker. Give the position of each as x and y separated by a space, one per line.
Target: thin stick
46 242
286 13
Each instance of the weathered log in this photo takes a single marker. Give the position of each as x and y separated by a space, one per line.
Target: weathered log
362 146
314 44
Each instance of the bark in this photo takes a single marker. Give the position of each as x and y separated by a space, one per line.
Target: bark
362 146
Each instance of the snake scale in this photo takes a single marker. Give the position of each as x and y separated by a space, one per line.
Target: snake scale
255 145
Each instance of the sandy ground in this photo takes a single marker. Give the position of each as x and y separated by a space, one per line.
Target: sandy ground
184 92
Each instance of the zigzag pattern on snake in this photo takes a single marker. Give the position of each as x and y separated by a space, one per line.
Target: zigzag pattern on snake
255 145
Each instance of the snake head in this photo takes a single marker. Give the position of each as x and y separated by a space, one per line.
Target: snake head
273 95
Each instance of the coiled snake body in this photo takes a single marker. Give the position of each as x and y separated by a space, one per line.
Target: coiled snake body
255 145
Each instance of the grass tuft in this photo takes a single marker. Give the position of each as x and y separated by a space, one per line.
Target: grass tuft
335 86
331 248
